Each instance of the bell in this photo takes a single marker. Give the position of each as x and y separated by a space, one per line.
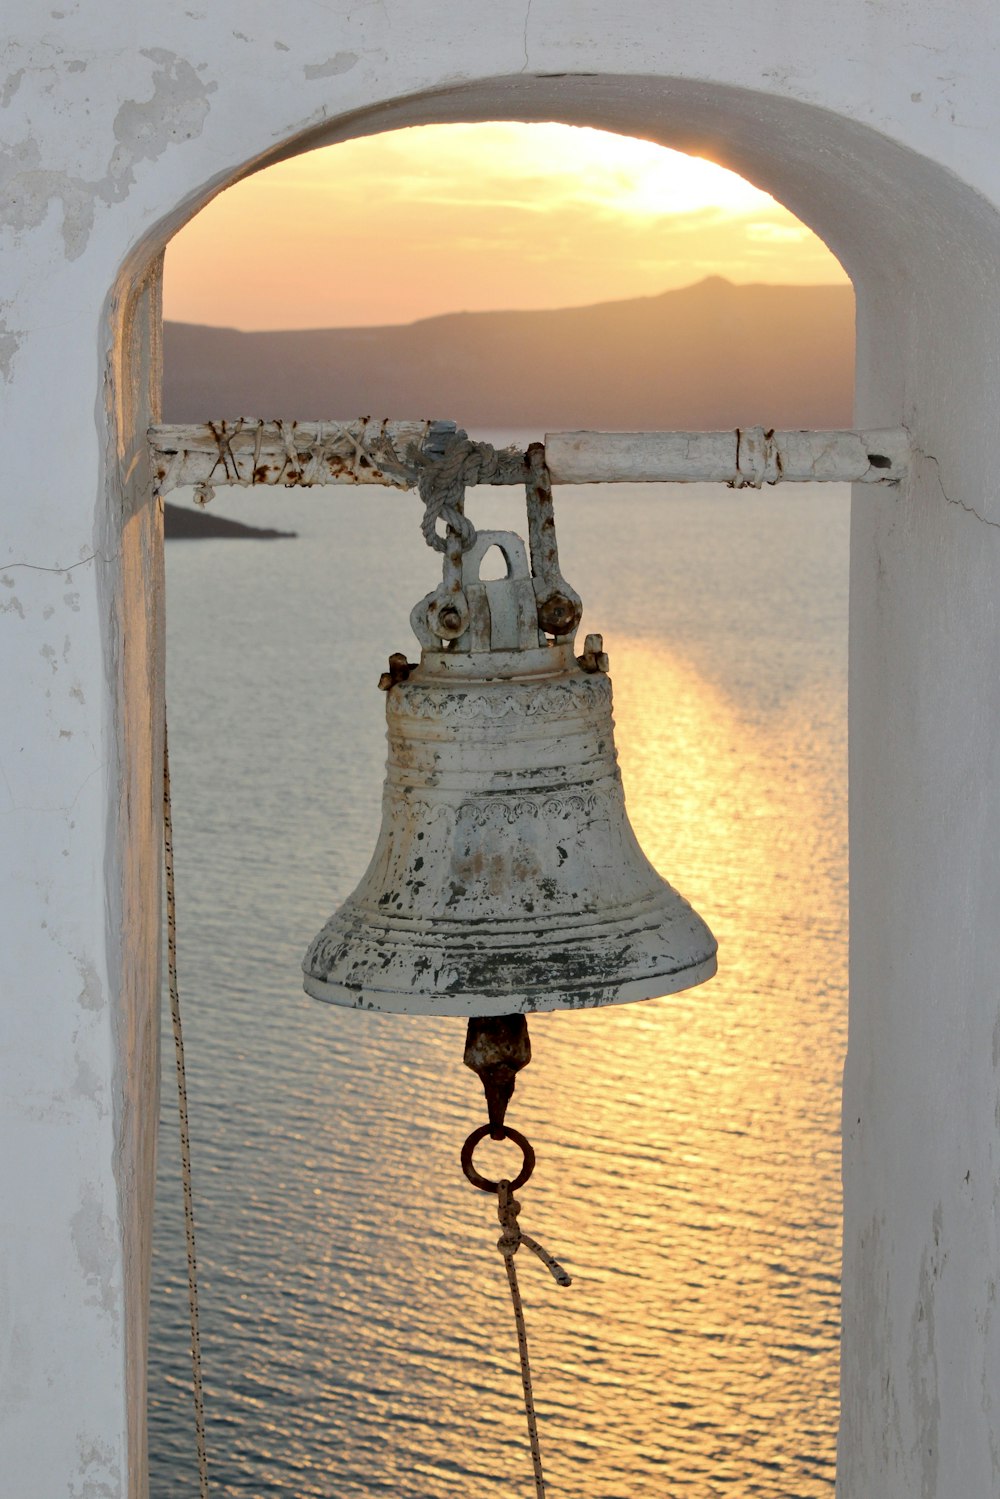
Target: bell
506 877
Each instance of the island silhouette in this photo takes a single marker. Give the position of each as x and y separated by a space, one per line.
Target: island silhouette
712 355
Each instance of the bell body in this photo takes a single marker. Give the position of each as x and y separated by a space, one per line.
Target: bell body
507 876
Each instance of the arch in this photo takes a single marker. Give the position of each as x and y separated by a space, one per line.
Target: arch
923 249
883 210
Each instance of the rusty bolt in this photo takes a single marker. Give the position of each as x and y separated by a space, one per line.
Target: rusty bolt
399 670
594 657
558 615
450 619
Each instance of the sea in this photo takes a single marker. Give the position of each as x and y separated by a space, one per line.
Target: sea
356 1327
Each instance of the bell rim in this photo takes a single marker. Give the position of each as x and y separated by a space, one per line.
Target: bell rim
465 1004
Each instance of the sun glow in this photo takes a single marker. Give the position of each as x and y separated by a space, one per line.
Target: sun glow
440 218
627 176
545 168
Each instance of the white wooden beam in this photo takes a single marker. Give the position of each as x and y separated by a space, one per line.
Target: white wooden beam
376 451
366 450
748 456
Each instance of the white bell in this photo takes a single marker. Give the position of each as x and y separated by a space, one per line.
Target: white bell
506 877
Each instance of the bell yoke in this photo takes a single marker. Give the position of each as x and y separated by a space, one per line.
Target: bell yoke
506 877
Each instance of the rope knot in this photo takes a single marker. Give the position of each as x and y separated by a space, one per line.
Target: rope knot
512 1238
508 1208
442 482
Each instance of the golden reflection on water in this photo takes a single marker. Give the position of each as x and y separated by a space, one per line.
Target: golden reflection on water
710 1118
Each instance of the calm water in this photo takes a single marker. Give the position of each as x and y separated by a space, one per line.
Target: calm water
357 1334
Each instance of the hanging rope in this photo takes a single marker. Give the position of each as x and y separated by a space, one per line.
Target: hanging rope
182 1108
442 482
508 1244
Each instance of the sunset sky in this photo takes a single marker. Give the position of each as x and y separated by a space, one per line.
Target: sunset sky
445 218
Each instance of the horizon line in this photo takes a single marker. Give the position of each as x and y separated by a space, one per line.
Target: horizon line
713 278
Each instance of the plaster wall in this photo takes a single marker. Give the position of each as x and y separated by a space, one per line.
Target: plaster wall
877 122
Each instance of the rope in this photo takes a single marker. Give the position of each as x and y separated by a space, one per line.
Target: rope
442 482
508 1244
329 454
182 1108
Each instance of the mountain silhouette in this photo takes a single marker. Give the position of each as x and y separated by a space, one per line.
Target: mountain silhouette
712 355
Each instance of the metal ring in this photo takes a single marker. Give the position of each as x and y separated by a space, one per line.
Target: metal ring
483 1182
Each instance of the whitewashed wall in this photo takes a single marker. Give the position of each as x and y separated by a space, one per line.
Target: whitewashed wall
878 124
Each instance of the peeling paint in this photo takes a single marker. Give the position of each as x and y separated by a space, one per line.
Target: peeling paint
16 1373
98 1471
93 1234
29 192
143 130
341 62
10 87
89 1086
91 996
177 111
10 342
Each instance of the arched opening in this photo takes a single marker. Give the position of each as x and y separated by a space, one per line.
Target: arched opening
879 208
648 1114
